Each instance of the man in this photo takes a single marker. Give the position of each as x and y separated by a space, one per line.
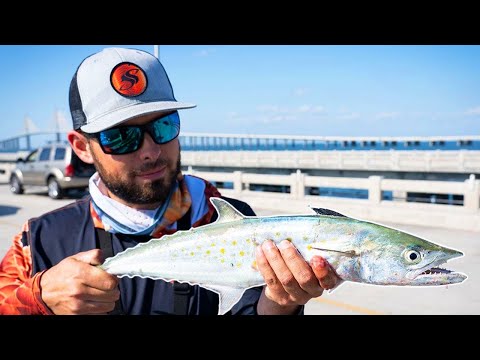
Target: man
126 122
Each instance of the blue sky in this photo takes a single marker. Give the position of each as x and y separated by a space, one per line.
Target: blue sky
319 90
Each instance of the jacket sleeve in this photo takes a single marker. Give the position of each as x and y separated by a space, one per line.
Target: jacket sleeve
20 293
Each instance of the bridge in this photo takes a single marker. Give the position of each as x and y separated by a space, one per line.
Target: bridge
454 155
244 142
29 141
423 184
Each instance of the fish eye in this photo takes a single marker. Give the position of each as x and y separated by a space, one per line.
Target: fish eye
412 256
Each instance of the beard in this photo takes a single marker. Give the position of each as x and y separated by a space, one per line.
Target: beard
133 193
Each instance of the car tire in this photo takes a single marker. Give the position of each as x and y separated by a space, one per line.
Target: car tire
16 186
55 191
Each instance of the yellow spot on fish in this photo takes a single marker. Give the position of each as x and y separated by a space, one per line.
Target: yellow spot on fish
234 242
289 239
192 253
208 252
277 234
239 264
309 247
199 247
212 244
222 251
254 264
222 260
241 253
224 241
249 241
305 238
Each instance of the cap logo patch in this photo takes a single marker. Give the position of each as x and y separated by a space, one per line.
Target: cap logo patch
128 79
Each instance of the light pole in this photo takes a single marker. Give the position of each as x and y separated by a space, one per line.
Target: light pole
156 52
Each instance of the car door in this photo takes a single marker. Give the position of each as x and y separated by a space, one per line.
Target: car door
27 167
41 167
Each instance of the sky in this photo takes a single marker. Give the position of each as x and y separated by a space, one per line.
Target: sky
321 90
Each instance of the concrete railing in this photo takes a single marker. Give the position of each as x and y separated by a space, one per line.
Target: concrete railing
461 161
463 217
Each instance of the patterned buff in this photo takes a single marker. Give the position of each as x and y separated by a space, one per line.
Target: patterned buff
180 201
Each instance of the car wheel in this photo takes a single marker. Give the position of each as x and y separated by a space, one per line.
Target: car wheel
54 189
15 185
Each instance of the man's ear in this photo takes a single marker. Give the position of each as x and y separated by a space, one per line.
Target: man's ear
80 145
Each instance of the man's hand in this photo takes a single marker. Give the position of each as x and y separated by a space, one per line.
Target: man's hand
290 280
76 286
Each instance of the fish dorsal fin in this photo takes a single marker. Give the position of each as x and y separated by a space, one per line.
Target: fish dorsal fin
226 212
321 211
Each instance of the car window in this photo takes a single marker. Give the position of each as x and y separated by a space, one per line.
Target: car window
45 155
59 153
33 156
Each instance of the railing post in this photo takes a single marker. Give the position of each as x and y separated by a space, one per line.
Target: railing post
375 189
300 185
189 170
297 185
237 182
471 196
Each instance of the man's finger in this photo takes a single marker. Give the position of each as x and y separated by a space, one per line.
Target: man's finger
301 271
93 276
95 307
324 273
92 257
285 276
319 266
99 279
92 294
265 268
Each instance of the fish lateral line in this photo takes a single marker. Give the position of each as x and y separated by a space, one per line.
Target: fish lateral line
348 253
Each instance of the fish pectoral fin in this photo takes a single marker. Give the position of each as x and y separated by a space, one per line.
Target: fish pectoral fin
228 296
226 212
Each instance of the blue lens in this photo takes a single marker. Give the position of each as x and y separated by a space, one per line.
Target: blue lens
165 129
127 139
120 140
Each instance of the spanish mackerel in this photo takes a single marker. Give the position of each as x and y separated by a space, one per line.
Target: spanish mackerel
221 256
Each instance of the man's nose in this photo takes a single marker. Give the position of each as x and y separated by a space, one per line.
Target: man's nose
149 148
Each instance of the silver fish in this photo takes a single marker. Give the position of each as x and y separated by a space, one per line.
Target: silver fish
221 256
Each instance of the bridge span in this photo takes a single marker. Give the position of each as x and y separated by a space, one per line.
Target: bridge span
423 185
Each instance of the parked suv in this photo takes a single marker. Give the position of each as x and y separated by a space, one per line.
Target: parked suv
55 165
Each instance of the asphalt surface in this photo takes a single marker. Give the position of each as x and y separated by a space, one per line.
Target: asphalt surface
349 298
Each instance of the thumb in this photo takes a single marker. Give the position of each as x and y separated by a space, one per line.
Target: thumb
92 257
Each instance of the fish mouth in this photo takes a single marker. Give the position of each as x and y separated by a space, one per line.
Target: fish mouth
433 274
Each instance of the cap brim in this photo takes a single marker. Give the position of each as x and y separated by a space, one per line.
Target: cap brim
121 115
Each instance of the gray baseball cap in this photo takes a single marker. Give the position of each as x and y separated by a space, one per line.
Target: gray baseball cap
117 84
